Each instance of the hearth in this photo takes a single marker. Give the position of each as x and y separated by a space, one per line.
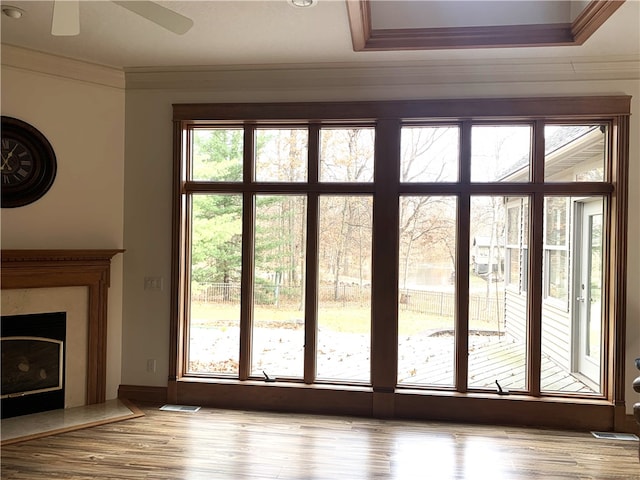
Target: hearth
33 363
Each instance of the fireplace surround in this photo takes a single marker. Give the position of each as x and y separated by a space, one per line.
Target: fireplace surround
28 269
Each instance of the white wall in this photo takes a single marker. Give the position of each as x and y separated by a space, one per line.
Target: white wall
149 163
80 109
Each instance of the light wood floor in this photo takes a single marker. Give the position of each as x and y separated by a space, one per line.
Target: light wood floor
221 444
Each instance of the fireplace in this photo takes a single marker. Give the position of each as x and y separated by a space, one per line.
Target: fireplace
33 363
82 277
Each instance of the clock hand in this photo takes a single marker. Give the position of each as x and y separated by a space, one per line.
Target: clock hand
5 160
10 154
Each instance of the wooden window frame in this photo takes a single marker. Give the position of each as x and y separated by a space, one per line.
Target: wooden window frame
383 398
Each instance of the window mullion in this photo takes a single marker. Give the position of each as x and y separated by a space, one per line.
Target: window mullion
536 253
311 279
384 334
462 262
248 242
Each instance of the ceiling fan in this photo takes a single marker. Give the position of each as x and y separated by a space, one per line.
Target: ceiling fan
66 16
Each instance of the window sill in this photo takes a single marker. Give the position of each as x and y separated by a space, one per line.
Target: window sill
276 384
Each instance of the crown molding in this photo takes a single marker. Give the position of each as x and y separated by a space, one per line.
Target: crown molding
327 76
330 76
365 38
592 17
57 66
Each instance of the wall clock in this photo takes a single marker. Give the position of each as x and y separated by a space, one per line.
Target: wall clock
28 163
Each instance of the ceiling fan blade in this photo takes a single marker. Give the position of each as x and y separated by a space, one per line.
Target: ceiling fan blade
66 18
160 15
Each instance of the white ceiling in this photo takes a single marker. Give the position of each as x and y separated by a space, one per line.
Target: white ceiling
268 32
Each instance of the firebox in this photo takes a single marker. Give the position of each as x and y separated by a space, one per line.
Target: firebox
33 363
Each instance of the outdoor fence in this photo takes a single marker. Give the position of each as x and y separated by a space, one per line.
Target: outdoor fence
481 307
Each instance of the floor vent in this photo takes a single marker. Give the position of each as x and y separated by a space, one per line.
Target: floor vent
615 436
180 408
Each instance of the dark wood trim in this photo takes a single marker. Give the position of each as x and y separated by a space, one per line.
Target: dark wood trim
384 327
571 414
70 268
311 293
463 234
496 410
365 38
359 15
248 243
534 282
246 287
178 304
502 188
617 303
517 108
143 393
508 188
592 18
278 396
311 260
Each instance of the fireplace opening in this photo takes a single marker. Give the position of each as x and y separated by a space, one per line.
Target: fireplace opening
33 363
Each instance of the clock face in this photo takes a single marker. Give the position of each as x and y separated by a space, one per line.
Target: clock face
28 166
17 162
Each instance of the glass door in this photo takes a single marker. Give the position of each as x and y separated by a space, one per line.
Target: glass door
589 291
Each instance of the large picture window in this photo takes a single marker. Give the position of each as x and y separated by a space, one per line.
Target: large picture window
400 247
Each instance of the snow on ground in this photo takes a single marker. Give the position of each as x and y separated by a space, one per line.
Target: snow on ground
346 356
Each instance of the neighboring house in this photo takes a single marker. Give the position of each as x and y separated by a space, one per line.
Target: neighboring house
486 256
572 261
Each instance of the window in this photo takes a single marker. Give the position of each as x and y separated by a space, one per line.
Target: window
427 290
344 288
399 248
346 154
429 153
281 155
500 153
215 273
258 229
279 251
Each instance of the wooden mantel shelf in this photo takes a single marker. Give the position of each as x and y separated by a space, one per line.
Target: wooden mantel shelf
70 268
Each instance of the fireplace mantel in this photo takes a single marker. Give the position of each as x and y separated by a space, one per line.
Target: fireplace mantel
70 268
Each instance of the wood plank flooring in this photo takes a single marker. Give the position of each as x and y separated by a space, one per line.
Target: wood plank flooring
222 444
